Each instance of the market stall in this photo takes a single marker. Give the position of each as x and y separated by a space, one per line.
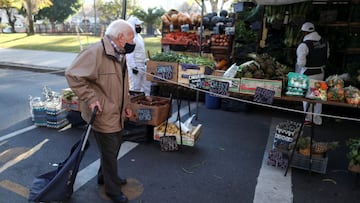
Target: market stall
249 54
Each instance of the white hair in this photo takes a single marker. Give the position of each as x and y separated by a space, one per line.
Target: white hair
118 26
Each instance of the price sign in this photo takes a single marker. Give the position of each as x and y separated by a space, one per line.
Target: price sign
196 81
144 115
219 87
164 72
264 96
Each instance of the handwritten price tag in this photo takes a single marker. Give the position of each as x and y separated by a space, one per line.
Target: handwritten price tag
164 72
264 96
219 87
196 81
144 115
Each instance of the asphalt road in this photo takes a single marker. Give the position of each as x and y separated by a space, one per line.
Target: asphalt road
227 164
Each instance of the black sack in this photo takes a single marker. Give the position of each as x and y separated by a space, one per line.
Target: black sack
57 185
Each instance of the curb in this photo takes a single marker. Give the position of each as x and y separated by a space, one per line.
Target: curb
34 68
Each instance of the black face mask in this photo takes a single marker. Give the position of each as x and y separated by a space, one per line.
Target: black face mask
129 48
138 29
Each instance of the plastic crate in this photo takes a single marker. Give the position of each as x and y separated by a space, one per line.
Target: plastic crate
319 164
39 116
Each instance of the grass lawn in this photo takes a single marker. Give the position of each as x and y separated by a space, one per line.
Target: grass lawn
62 43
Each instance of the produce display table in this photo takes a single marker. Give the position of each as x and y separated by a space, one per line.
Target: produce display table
301 99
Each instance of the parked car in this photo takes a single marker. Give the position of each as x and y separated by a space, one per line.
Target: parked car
18 29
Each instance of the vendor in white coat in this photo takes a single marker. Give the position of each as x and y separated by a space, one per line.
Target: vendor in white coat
312 55
136 61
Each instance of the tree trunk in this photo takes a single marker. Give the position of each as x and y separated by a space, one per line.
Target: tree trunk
149 30
30 18
214 5
11 18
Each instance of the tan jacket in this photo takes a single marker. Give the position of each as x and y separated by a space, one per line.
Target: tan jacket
96 75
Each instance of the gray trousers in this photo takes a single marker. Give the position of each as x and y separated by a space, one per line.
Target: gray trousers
109 145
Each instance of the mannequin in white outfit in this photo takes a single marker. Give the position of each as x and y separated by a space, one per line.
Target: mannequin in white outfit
312 55
136 61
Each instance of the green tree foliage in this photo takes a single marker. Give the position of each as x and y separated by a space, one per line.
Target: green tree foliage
112 10
11 8
151 18
109 11
59 11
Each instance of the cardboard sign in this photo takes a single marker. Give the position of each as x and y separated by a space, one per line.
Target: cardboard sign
219 87
164 72
144 115
264 96
196 81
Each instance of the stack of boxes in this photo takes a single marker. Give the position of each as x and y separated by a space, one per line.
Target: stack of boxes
285 134
55 115
52 111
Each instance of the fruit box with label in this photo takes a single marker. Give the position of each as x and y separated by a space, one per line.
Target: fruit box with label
150 110
188 139
234 83
249 85
189 69
162 70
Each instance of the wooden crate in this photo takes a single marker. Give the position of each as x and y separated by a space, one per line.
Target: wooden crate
234 83
219 73
188 139
159 71
249 85
150 110
189 69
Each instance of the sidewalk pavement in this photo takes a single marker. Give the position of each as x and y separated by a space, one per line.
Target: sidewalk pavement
36 60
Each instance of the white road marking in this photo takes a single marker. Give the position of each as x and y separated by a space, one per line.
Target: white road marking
89 172
272 185
18 132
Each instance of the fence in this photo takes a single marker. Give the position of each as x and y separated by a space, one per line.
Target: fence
70 28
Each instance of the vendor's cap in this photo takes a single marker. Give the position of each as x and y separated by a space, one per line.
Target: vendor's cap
134 20
308 27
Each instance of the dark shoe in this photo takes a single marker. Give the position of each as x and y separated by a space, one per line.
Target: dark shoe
121 198
100 180
123 181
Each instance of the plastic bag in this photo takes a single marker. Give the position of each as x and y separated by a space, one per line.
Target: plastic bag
335 81
231 71
317 90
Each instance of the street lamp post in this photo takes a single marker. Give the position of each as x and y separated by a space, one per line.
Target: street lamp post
124 10
94 17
